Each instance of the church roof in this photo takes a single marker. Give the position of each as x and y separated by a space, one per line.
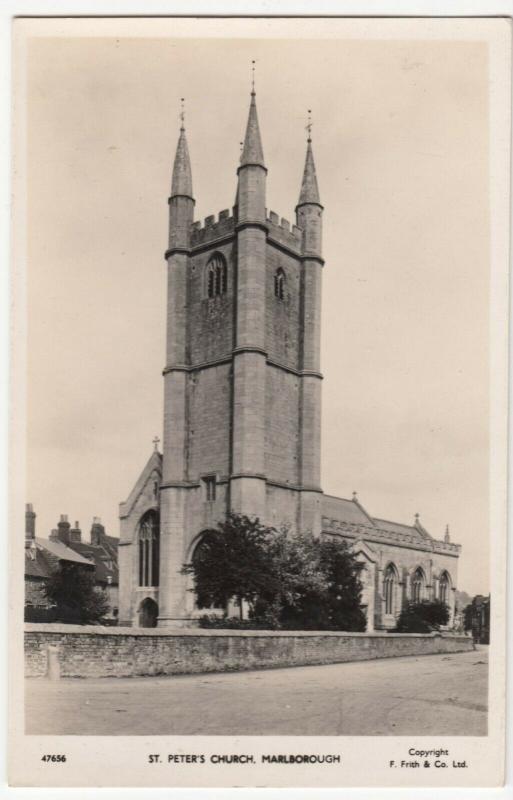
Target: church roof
252 151
309 188
182 174
345 510
399 527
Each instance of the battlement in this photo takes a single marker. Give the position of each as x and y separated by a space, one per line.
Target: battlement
212 228
376 534
282 231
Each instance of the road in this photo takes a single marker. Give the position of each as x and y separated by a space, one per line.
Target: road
426 695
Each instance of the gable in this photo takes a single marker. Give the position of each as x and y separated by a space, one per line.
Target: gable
152 472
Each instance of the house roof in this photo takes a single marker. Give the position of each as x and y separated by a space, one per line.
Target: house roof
60 551
36 566
104 558
43 558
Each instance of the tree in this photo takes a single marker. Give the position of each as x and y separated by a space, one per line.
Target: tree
233 561
290 581
72 588
325 590
423 617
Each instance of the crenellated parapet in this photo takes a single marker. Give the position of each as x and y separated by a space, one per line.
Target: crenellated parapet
375 534
281 232
212 228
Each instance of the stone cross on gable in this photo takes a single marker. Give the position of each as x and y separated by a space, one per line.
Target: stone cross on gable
156 441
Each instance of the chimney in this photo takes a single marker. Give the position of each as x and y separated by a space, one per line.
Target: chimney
30 523
97 531
63 528
54 535
75 534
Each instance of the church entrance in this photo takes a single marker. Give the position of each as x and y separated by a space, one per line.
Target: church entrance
148 613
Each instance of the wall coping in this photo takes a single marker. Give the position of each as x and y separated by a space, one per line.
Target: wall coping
106 630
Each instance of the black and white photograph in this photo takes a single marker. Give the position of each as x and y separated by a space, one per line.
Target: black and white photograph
260 291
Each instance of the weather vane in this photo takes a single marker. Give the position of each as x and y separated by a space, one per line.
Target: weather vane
309 125
253 77
182 112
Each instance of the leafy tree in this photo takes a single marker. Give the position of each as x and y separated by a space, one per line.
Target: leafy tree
72 588
423 617
326 593
289 581
233 561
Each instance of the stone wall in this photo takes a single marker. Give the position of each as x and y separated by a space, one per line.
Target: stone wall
95 652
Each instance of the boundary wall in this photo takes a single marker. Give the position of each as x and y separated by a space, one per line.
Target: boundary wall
75 651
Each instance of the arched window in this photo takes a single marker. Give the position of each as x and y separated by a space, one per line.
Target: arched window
203 552
389 588
445 585
217 278
279 284
417 586
149 536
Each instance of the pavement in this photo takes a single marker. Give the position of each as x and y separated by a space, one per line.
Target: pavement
425 695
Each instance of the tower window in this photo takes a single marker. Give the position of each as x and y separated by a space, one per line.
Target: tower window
210 488
217 278
279 284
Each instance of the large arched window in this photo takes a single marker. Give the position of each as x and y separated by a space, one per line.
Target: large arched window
445 585
389 588
217 276
417 586
203 553
279 284
149 537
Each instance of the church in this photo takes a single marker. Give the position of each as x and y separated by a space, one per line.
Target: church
242 407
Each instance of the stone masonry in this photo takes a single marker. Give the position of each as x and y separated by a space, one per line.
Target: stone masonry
242 405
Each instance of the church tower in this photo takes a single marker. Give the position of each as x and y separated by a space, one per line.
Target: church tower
242 386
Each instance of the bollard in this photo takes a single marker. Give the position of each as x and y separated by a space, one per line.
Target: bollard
53 668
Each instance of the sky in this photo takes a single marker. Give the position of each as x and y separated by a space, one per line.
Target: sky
400 138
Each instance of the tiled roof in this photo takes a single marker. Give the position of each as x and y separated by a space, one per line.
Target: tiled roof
60 551
36 565
344 510
101 556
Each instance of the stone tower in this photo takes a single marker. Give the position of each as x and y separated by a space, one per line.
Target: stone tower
242 383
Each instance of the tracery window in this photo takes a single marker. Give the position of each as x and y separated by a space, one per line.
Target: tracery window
279 284
217 277
149 556
444 588
417 586
389 587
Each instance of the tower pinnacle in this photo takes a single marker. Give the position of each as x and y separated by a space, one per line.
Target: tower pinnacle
309 189
252 152
182 174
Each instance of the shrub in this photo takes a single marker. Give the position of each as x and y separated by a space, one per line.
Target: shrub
232 623
423 617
